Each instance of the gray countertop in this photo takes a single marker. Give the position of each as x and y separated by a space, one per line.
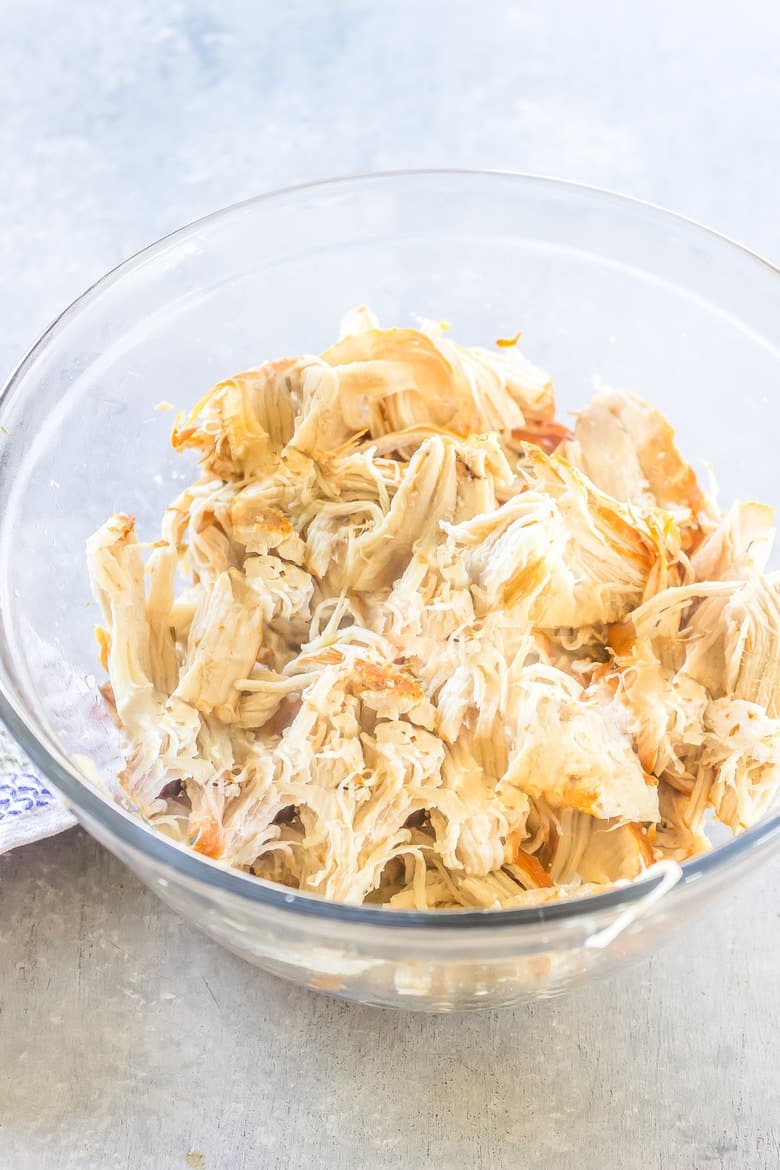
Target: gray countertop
127 1039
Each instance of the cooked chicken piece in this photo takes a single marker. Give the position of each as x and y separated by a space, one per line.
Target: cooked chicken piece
208 797
288 490
394 379
741 757
427 495
241 426
445 480
404 763
332 415
530 388
471 687
262 530
355 789
116 569
573 751
223 643
161 736
497 408
627 448
738 545
677 627
283 595
728 640
561 552
752 643
391 693
161 568
680 832
665 714
425 609
253 819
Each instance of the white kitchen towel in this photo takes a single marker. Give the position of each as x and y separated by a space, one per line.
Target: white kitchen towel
28 811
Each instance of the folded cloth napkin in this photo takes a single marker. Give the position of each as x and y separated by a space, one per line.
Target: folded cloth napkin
28 811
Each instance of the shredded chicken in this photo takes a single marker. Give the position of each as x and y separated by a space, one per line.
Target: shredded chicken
434 648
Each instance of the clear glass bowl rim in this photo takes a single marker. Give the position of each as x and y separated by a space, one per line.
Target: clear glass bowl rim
201 870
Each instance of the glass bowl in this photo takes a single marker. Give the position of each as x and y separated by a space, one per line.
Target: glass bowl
599 285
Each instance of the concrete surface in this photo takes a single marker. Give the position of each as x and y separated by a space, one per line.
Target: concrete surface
127 1040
